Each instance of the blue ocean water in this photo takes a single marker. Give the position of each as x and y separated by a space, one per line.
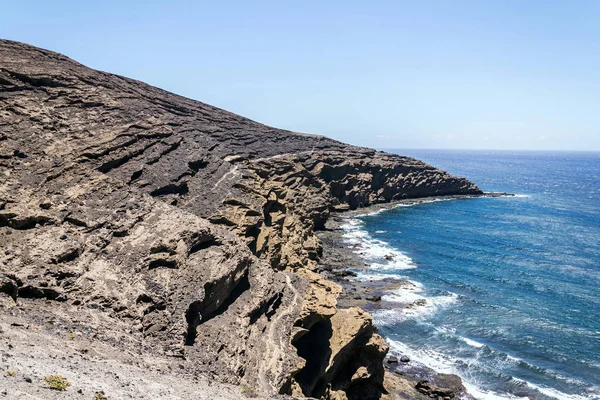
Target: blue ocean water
511 285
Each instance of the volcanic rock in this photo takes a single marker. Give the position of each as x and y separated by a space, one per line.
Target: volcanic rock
164 225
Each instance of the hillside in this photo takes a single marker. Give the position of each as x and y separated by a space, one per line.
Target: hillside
164 227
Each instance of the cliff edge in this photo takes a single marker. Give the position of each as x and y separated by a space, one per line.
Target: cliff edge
166 227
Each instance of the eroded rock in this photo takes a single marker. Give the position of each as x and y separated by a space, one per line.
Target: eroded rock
192 229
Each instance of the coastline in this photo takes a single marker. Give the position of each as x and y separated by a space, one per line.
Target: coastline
341 257
375 208
119 224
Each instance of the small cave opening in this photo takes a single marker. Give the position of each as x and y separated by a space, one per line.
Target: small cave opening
136 175
203 244
253 233
314 348
271 208
197 165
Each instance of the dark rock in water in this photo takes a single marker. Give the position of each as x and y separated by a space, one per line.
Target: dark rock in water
343 273
389 257
186 227
392 360
417 303
405 359
423 387
374 298
446 386
449 381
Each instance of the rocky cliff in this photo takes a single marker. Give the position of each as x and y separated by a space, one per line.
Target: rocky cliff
167 225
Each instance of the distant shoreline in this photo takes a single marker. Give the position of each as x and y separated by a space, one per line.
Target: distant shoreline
375 208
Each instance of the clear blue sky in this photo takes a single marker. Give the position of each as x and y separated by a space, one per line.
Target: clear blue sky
522 74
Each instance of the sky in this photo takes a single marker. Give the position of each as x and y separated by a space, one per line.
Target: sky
497 74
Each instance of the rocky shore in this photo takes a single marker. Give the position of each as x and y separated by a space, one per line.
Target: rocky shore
340 258
171 236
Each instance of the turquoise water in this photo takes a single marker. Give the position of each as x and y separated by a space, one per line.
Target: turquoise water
511 285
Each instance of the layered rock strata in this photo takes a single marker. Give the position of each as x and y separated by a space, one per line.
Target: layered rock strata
191 226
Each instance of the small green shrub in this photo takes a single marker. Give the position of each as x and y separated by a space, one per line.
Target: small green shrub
100 396
248 391
10 372
57 382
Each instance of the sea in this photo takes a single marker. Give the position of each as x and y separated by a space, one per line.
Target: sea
507 289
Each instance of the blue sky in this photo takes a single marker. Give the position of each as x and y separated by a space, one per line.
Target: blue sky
389 74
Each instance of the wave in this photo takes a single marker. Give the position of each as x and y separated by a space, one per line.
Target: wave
469 371
411 310
378 253
447 330
366 276
444 364
416 304
557 394
472 342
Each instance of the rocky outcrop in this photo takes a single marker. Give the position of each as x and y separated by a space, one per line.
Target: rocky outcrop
190 225
85 239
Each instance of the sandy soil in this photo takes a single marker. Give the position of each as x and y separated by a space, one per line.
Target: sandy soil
28 353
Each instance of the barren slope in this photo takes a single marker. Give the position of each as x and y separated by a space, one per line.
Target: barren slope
189 227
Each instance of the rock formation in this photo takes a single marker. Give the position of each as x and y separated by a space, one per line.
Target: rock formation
186 228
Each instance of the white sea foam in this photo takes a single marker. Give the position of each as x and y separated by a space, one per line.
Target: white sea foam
383 259
414 308
482 394
557 394
417 202
367 276
379 254
374 212
386 317
444 364
514 359
472 343
417 304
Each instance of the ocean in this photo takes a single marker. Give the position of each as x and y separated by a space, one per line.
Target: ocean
505 290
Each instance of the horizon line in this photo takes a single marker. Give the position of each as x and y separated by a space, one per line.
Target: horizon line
481 149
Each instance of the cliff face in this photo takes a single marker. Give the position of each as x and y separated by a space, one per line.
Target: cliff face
189 226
